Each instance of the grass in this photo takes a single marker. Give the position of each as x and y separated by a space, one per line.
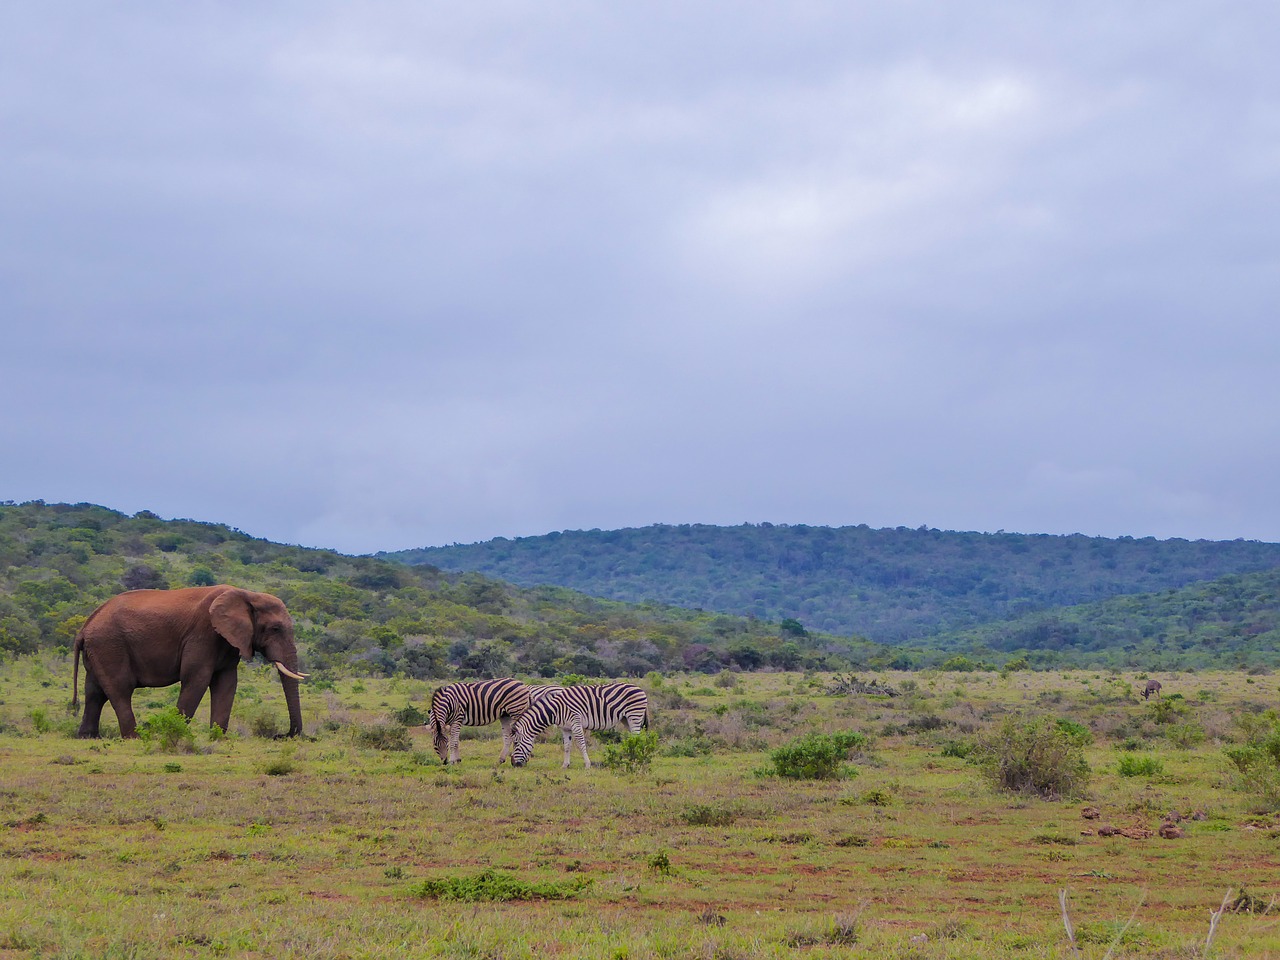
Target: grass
109 850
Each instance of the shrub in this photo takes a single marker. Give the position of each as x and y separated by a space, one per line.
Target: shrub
384 736
1035 757
1257 761
708 815
494 886
632 754
167 731
816 756
1132 766
264 722
409 716
1077 733
960 749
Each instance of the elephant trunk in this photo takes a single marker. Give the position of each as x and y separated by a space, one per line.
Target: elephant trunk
289 677
290 687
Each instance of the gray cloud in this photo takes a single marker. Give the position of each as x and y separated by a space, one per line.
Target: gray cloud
413 274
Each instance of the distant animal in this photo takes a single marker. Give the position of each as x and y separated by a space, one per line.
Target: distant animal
475 703
576 709
1153 686
195 636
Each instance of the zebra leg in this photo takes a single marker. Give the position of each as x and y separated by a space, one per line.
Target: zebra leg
507 745
582 744
565 732
455 734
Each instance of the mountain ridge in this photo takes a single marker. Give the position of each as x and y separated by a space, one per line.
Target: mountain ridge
892 585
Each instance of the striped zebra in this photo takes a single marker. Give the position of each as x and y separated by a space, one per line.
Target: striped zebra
575 709
475 703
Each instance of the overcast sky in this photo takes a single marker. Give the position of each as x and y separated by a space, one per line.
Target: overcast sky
384 275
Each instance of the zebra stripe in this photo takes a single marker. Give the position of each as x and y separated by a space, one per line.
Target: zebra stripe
575 709
475 703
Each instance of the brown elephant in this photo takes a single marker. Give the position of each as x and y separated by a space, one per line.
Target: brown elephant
196 637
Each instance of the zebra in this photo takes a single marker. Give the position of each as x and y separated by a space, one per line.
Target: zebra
575 709
475 703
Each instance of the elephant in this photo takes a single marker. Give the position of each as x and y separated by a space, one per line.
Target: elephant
1153 686
195 636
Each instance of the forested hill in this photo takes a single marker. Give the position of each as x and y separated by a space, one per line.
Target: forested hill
364 615
892 585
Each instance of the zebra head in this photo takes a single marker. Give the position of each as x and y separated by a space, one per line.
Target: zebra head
538 717
439 736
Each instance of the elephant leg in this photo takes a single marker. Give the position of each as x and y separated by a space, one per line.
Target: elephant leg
95 698
222 693
122 704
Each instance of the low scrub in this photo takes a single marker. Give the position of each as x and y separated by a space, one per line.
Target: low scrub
817 756
1256 762
167 731
384 736
632 753
1135 766
1034 757
493 886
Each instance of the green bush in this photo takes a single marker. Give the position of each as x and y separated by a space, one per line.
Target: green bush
708 815
1035 757
632 753
167 731
409 716
1257 760
384 736
1077 733
1132 766
817 756
494 886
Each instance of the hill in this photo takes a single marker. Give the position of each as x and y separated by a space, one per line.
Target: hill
891 585
364 615
1233 621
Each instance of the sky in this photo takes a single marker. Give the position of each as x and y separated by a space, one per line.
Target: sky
397 274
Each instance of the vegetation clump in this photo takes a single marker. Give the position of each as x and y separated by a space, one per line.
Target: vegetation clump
167 731
493 886
632 754
817 756
1035 757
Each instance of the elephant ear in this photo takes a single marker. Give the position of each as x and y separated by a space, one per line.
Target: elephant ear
232 618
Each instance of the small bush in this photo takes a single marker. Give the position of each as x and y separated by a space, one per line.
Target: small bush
384 736
409 716
1034 757
708 815
264 722
1077 733
1133 766
632 754
960 749
817 756
494 886
167 731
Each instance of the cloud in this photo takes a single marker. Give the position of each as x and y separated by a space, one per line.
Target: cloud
458 272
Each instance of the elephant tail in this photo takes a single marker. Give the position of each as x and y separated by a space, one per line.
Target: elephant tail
76 650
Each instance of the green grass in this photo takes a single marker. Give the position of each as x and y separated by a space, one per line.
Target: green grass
353 850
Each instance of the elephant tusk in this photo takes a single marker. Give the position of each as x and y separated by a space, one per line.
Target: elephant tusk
285 671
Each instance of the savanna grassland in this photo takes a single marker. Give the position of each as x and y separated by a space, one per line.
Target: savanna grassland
341 843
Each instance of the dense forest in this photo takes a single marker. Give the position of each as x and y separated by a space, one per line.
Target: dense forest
369 616
890 585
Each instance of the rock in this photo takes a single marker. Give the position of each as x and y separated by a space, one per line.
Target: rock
1107 830
1090 813
1171 831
